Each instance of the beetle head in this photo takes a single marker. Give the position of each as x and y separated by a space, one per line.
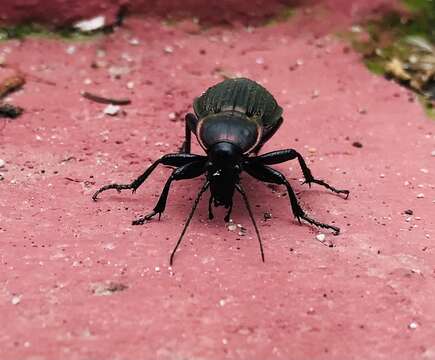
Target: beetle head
224 155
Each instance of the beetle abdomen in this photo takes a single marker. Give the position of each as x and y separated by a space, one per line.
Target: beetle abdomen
243 95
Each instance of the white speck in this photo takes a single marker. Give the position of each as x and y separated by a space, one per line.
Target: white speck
420 196
90 24
39 138
408 219
26 344
315 94
111 109
134 41
406 183
71 49
2 163
417 218
157 269
321 237
222 302
413 325
259 61
130 85
109 246
356 29
16 299
231 226
172 116
433 153
224 341
382 176
299 62
168 49
424 171
87 81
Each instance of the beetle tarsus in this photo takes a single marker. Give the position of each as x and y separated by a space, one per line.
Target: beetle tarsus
326 185
117 187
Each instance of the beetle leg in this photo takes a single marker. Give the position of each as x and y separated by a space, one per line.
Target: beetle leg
168 159
210 210
270 175
191 122
228 215
187 171
276 157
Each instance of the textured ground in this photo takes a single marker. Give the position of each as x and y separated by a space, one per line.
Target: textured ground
368 297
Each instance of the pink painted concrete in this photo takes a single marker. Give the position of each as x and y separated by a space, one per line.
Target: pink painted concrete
369 297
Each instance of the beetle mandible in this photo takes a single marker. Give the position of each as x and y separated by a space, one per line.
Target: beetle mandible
233 120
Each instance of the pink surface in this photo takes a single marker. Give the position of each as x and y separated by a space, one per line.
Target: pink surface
368 297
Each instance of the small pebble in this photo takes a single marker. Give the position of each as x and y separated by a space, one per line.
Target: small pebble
315 94
232 226
362 111
71 49
172 116
111 109
413 325
134 41
130 85
424 171
168 49
408 212
433 153
2 163
321 237
420 196
357 144
382 176
16 299
157 269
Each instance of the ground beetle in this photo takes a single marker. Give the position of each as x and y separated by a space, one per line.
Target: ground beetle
233 120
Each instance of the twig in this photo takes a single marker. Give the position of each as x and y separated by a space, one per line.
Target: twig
104 100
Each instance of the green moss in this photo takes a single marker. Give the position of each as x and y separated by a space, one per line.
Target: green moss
23 31
382 40
283 16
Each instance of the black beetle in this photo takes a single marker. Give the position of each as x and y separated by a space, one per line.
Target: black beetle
233 119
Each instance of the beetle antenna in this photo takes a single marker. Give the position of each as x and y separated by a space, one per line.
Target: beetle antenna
248 207
195 204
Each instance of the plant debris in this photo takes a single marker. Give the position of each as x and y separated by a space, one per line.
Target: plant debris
11 84
107 288
10 111
105 100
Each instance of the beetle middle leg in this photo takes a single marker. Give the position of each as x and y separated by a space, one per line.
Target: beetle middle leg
190 127
276 157
267 174
168 159
188 171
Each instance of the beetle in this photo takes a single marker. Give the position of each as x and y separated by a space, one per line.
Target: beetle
232 120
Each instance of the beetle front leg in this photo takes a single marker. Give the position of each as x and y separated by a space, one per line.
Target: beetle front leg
267 174
168 159
188 171
276 157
